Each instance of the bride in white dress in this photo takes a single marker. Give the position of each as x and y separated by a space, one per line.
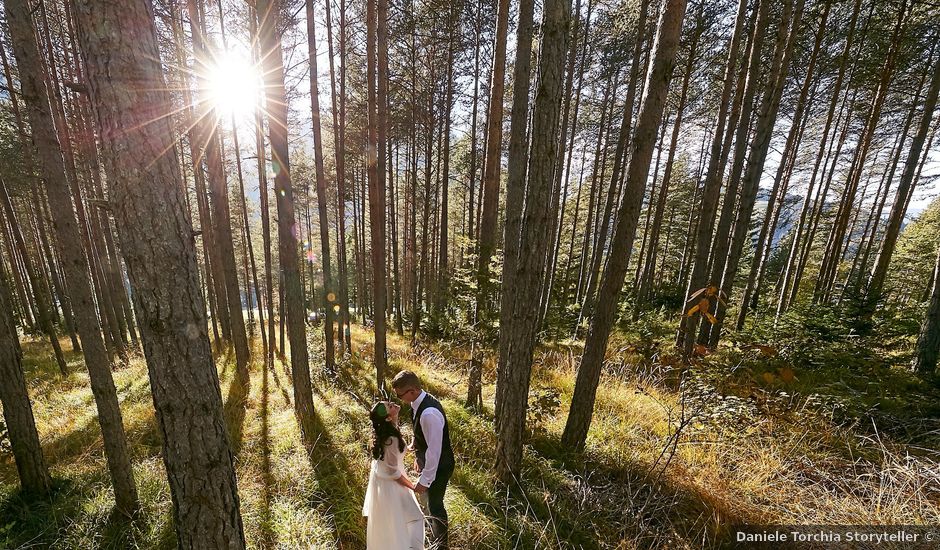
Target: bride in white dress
395 521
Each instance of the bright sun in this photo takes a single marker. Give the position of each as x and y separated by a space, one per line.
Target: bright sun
234 86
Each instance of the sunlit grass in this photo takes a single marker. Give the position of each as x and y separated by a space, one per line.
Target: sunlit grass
729 465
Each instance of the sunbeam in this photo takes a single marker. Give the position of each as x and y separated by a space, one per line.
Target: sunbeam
234 86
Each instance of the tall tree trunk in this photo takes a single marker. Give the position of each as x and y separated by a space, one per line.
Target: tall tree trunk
264 205
565 152
766 118
41 294
489 191
787 277
649 262
339 148
442 269
377 39
905 188
393 188
697 255
721 242
291 290
623 141
752 289
474 152
211 258
125 81
648 122
515 186
523 282
248 243
832 257
75 265
604 131
25 309
928 342
329 298
17 409
221 215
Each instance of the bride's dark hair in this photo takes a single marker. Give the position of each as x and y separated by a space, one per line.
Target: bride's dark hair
382 431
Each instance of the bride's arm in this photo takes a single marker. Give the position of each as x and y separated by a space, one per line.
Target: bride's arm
403 480
390 462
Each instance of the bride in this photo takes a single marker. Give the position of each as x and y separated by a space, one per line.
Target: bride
395 521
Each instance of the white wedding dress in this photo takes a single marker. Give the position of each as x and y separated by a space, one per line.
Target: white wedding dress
395 519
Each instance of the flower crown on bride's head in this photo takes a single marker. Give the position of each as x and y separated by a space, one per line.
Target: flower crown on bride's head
379 410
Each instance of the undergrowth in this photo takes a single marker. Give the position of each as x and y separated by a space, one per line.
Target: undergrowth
675 455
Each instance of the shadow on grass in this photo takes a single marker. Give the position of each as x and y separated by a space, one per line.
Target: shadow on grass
341 490
649 509
268 537
27 521
277 382
235 409
575 499
25 517
78 441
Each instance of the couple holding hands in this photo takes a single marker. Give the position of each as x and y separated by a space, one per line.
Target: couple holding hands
396 520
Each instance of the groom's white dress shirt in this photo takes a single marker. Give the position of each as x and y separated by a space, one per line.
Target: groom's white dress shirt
432 424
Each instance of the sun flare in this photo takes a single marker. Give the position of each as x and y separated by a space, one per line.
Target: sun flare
234 86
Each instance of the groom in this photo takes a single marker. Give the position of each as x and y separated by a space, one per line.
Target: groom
432 447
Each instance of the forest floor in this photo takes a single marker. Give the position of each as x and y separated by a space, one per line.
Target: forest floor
739 443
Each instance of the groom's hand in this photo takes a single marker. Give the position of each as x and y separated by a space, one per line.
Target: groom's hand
420 489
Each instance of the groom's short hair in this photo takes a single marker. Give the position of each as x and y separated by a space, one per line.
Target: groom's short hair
406 379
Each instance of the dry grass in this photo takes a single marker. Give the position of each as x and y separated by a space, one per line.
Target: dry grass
662 468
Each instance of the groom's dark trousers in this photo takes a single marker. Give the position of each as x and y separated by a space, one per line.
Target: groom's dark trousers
438 519
438 515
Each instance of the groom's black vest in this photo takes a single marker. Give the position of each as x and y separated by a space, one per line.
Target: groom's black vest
446 465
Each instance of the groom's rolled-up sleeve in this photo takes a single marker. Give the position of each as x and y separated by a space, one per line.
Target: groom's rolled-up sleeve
432 424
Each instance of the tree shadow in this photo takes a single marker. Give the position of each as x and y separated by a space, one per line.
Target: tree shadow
340 491
651 510
268 538
235 409
26 516
78 441
578 496
39 522
277 382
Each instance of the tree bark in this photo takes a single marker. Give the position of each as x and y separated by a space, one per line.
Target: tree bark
766 118
721 243
377 53
221 215
711 189
515 181
623 141
329 298
752 290
648 122
649 263
291 290
74 263
17 409
442 262
491 161
41 295
523 283
928 342
125 82
905 187
339 148
831 259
